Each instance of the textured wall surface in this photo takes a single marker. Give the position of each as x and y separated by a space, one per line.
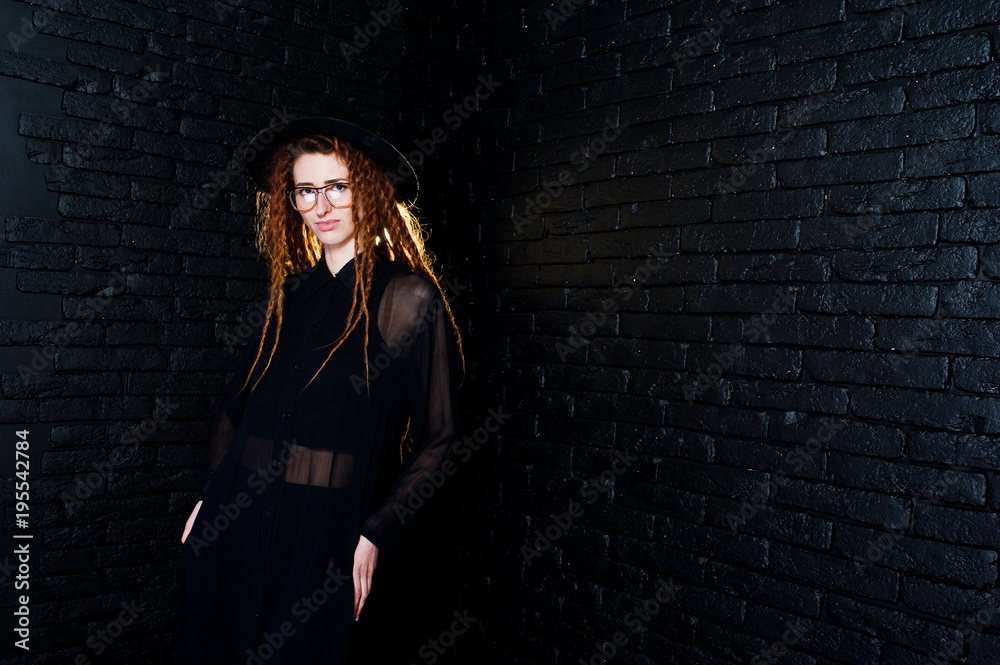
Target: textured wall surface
733 273
727 278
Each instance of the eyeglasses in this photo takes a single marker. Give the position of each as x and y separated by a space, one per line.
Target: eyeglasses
304 199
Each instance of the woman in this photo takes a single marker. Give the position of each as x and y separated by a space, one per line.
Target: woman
307 478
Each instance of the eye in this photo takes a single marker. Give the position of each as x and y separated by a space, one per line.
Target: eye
341 186
307 191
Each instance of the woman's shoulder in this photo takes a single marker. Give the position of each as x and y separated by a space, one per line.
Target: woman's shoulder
409 293
399 276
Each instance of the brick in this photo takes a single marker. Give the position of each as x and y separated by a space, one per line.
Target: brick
204 243
735 298
121 308
50 72
594 68
923 483
60 129
900 196
179 148
662 213
80 105
881 369
772 522
871 167
976 375
774 268
762 205
106 59
786 82
625 189
917 634
69 232
946 264
668 501
681 102
723 544
916 57
798 143
145 19
51 257
948 601
615 88
235 40
983 190
825 399
763 235
784 18
68 409
867 300
833 40
710 418
206 56
92 31
561 101
861 506
954 412
955 87
952 156
763 588
904 129
875 232
725 65
125 333
905 553
968 15
835 573
725 123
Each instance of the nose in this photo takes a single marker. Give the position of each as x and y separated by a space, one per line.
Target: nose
322 205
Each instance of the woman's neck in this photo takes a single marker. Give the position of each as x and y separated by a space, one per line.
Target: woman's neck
337 258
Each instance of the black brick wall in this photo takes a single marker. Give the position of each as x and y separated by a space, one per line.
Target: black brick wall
807 383
729 266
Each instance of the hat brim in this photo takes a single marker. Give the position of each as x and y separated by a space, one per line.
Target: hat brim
259 154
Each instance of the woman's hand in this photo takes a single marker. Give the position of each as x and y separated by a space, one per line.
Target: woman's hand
365 557
190 522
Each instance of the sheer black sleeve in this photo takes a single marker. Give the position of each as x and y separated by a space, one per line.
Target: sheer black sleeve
230 411
418 320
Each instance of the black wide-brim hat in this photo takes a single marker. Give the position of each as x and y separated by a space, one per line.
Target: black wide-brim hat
259 153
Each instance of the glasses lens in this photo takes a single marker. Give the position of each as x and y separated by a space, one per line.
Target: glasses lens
338 194
303 199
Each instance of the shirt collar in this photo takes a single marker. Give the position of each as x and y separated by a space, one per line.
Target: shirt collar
318 274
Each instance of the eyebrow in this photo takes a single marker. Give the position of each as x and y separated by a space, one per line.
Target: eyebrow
328 182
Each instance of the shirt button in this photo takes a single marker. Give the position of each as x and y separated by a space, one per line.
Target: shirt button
275 465
262 565
286 415
298 368
316 324
267 513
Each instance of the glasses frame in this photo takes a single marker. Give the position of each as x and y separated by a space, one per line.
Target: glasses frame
326 189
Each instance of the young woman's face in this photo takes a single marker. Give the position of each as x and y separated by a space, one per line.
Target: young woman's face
333 226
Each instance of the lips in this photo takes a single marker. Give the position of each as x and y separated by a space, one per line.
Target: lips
327 225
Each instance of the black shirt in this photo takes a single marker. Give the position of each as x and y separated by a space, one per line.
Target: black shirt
294 475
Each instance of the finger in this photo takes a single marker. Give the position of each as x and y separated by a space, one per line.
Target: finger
357 593
364 596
